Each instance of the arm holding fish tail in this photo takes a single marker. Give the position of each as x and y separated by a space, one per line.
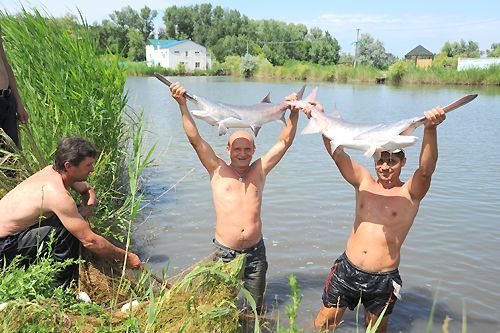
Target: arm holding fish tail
276 153
204 151
352 172
420 182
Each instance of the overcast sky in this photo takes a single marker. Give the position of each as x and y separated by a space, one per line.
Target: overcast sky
399 25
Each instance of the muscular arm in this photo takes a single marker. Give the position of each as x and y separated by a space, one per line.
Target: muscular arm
65 208
420 182
352 172
23 116
276 153
204 151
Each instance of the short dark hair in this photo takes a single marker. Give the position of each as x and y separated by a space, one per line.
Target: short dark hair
398 152
73 149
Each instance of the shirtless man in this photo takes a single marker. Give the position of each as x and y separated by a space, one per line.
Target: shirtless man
42 205
237 192
10 101
385 210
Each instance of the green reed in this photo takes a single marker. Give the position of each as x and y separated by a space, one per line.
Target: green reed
68 89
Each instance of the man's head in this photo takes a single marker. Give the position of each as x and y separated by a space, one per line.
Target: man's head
389 165
75 152
241 147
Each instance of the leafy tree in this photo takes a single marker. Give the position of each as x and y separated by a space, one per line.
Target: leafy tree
462 48
248 65
372 52
136 45
230 45
146 26
494 51
126 18
324 50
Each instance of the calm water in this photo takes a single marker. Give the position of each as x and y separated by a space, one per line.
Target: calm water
308 208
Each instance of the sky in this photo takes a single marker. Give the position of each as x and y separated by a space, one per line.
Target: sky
399 25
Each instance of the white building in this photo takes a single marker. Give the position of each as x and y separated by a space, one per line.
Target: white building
171 53
478 63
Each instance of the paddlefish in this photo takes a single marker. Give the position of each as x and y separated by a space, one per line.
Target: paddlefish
372 139
226 116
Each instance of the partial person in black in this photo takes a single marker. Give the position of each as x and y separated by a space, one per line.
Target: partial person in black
11 106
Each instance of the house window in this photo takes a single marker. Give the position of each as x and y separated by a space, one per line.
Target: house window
197 52
197 65
176 52
186 53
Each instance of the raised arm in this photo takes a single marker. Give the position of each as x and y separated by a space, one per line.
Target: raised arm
65 208
352 172
21 112
205 152
276 153
419 183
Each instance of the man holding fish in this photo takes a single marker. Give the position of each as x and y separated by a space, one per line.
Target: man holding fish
386 207
237 189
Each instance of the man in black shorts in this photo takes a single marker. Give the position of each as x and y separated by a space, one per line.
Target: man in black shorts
385 210
11 106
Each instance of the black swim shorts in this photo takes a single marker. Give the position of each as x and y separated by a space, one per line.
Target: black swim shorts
347 284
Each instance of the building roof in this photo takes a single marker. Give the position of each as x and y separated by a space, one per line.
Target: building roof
165 43
419 51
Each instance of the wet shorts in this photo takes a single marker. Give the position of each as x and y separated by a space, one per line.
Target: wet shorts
347 284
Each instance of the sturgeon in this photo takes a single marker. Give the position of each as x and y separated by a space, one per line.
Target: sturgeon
226 116
372 139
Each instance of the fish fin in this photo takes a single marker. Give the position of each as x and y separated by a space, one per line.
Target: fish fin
333 146
255 129
282 120
335 112
199 113
233 114
267 99
222 129
312 95
311 127
370 151
300 93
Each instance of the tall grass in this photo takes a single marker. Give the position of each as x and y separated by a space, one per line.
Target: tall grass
68 89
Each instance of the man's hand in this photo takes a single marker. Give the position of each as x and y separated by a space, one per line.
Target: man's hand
313 105
88 198
434 117
177 92
133 261
292 97
21 113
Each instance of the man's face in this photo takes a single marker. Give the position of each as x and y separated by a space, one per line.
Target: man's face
82 170
389 166
241 152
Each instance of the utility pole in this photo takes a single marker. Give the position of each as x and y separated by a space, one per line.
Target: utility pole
356 49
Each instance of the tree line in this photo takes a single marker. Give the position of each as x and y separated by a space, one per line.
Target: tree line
227 32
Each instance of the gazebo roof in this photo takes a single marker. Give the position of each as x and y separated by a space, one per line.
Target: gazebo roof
419 51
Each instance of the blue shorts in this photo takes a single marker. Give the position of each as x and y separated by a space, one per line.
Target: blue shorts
347 284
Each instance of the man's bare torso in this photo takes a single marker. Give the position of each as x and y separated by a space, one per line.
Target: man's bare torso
383 219
238 205
36 194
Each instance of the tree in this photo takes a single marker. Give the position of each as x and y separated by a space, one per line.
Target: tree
494 51
372 52
146 26
136 45
324 49
463 49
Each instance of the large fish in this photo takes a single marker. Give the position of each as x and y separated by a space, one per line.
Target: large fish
226 116
372 139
